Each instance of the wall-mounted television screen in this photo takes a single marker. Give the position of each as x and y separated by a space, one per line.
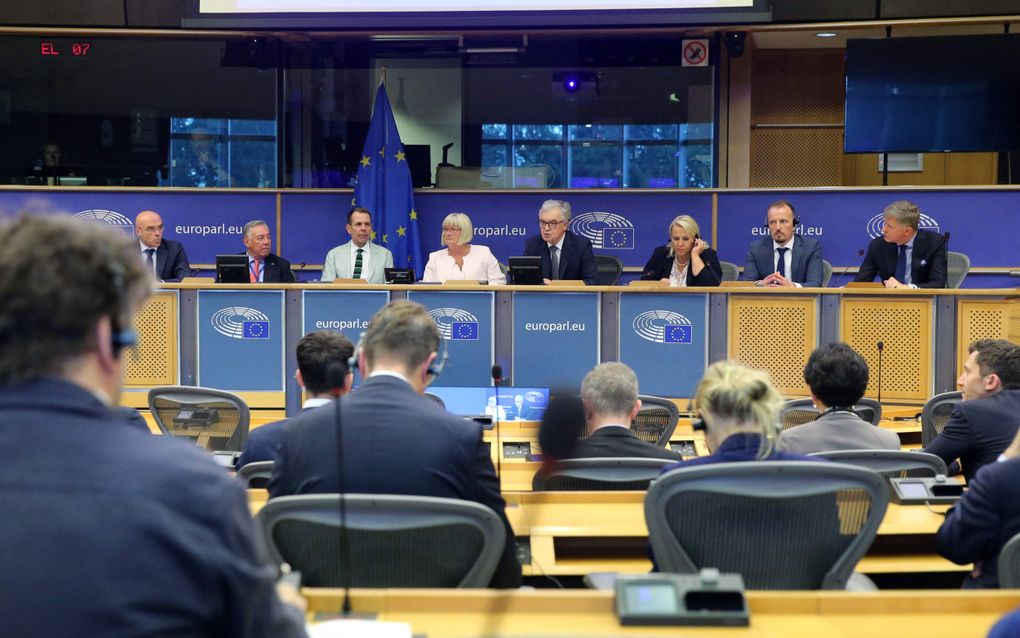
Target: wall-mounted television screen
911 95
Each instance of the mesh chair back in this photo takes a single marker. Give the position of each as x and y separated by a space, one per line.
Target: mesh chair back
890 463
780 524
730 271
957 267
395 541
797 412
213 419
826 273
936 413
257 474
656 420
438 399
581 475
869 410
610 268
1009 564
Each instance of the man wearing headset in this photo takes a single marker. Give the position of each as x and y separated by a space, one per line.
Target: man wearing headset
128 533
784 258
395 440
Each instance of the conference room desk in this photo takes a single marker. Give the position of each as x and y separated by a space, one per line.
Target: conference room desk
577 533
452 613
552 335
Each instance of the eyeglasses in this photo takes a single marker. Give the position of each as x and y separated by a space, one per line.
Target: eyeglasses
549 225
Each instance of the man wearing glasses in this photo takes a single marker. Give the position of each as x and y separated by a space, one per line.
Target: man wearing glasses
564 254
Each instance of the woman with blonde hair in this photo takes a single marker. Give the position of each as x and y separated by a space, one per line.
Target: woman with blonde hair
686 260
461 260
739 411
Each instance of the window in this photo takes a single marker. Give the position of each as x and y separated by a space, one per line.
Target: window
222 153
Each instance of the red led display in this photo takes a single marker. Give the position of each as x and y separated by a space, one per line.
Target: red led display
74 49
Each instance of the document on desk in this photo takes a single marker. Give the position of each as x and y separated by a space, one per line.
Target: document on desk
359 628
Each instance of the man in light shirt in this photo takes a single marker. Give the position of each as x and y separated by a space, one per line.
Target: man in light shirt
359 258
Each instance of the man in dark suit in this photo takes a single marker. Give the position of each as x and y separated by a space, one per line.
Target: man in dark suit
164 258
129 534
905 257
986 420
396 441
984 520
264 266
784 258
317 353
610 396
564 254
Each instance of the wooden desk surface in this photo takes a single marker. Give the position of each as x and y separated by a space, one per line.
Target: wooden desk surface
576 533
893 614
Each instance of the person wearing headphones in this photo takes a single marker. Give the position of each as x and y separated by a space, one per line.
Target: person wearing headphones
686 260
395 440
784 258
739 409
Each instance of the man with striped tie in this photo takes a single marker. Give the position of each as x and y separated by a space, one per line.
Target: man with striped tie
358 258
263 266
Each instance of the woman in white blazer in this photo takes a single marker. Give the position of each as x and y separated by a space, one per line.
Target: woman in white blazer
461 260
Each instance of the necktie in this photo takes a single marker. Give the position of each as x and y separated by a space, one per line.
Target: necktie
554 258
901 264
255 270
781 264
150 259
357 263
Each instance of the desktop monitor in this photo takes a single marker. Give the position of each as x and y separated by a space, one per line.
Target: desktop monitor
525 271
399 275
232 269
511 404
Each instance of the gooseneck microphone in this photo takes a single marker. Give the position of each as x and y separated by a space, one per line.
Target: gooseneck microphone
497 378
335 375
859 254
881 346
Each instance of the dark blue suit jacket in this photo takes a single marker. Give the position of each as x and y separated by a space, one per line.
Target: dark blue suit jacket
396 442
264 441
576 259
928 264
661 264
277 270
978 431
619 442
806 262
982 522
738 447
171 261
109 531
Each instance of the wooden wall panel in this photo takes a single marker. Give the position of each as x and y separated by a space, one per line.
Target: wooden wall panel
755 340
154 361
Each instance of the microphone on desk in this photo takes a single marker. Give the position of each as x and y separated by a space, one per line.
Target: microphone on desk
881 346
859 254
497 378
336 375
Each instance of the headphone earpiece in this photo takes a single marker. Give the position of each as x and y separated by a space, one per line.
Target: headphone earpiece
438 364
121 339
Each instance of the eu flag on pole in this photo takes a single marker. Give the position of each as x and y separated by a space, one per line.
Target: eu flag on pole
384 188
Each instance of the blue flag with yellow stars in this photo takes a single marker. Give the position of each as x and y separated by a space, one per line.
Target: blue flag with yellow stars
384 188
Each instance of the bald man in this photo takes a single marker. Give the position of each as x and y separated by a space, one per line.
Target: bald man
165 258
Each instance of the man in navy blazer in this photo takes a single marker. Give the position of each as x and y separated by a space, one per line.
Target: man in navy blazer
395 440
556 245
108 530
165 258
983 424
784 258
905 257
610 396
317 353
264 266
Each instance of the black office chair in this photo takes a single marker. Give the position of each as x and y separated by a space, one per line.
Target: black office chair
606 474
395 541
779 524
256 475
730 271
656 420
438 399
826 273
610 268
890 463
800 411
213 419
935 414
957 268
1009 564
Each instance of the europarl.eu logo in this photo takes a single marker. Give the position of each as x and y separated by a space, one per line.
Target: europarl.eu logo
239 322
664 326
455 324
604 230
925 223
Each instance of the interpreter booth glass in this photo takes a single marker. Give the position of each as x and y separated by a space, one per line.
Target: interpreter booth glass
136 111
